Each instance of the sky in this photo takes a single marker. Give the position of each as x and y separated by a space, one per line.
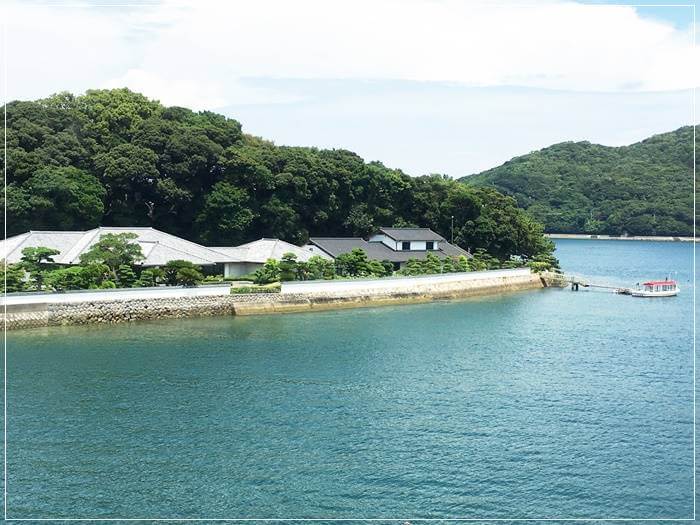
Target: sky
428 86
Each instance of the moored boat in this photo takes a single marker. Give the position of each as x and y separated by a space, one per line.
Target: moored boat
667 288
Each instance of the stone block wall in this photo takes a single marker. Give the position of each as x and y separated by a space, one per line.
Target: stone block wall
117 311
333 296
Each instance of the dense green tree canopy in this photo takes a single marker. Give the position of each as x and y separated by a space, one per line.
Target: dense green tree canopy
579 187
116 158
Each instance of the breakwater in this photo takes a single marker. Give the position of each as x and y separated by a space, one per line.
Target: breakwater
594 237
38 310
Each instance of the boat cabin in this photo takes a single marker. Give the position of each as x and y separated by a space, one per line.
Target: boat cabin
659 286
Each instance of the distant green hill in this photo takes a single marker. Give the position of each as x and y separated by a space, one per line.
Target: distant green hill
578 187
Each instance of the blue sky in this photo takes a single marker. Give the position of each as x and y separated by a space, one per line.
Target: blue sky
429 86
679 13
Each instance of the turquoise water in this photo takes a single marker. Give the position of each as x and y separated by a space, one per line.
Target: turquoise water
549 403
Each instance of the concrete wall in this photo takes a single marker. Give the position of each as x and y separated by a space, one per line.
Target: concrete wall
120 294
115 311
117 307
324 295
236 269
421 283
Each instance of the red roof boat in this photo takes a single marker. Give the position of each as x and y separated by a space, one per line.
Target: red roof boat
667 288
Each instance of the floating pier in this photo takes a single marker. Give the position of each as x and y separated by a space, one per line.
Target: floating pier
577 282
667 288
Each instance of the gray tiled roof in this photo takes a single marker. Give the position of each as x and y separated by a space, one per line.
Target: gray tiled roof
158 247
261 250
411 234
11 248
335 246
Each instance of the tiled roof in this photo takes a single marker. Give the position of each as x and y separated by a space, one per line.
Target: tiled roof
261 250
411 234
11 248
158 247
335 246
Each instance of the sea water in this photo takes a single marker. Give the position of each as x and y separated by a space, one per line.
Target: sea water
539 404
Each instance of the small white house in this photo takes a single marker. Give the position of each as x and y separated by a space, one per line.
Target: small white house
396 245
409 239
246 258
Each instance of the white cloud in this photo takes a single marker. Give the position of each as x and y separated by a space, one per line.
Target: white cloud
199 54
424 128
592 72
194 92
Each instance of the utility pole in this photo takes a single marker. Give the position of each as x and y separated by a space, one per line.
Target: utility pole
452 221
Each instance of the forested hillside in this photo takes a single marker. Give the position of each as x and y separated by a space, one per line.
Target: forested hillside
114 157
579 187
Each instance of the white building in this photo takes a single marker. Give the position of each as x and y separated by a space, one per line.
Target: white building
410 239
246 258
158 247
396 245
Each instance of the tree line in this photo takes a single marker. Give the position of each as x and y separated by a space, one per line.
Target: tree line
116 158
356 264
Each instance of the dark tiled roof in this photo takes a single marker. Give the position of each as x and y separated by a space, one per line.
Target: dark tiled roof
411 234
335 246
451 249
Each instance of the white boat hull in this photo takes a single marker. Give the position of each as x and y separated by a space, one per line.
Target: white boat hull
644 293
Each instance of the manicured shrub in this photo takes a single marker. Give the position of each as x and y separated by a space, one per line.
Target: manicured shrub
76 277
432 264
150 277
461 264
37 262
274 288
68 278
412 267
116 250
126 276
173 273
188 276
15 277
269 273
288 267
321 268
353 264
448 265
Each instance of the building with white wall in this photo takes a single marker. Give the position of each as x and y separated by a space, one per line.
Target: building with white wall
157 247
246 258
397 245
410 239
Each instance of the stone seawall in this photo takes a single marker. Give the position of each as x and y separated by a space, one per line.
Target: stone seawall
124 310
366 295
116 311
